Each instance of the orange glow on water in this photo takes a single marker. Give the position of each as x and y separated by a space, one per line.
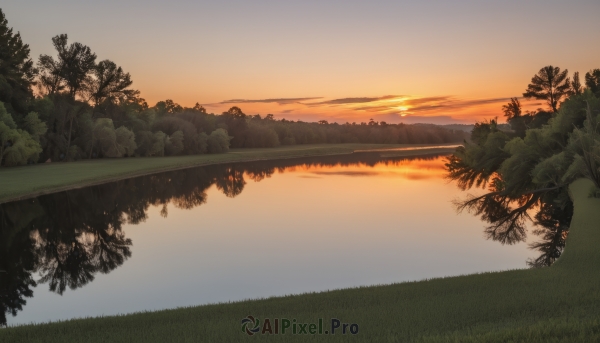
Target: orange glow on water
417 169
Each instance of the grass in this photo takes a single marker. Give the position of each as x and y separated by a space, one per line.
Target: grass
29 181
555 304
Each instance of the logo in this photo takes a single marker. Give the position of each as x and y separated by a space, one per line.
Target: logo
250 325
282 326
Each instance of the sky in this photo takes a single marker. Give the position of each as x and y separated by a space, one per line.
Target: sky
342 61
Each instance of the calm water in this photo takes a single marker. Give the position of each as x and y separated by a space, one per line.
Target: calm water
239 231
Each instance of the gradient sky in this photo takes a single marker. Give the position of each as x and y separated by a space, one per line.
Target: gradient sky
411 61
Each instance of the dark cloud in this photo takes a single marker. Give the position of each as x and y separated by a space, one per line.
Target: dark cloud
280 101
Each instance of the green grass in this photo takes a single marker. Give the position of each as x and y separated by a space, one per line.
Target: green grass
28 181
556 304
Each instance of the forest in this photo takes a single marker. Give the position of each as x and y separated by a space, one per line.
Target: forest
71 106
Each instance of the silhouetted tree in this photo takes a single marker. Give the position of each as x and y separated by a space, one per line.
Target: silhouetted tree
576 88
592 81
73 65
549 84
512 109
109 82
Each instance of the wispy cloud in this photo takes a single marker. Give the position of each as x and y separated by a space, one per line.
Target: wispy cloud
280 101
414 105
359 100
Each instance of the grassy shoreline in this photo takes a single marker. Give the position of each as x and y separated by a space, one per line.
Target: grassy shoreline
30 181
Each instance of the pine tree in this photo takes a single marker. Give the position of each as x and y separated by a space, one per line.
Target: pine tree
17 73
549 84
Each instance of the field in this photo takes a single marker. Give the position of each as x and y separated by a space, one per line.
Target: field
555 304
27 181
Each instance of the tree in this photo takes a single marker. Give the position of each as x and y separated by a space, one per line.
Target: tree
236 112
549 84
218 141
592 81
17 73
199 108
512 109
109 82
576 88
17 147
50 80
34 126
72 68
167 106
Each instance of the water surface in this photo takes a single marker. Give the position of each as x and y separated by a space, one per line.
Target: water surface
238 231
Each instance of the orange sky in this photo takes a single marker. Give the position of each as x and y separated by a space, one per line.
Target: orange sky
351 60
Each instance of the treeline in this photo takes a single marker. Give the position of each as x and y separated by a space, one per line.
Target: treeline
528 170
84 108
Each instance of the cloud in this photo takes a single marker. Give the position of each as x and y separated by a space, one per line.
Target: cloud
416 105
359 100
279 101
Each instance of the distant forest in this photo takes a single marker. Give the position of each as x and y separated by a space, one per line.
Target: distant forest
70 106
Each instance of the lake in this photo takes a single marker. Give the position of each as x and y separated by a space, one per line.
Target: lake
239 231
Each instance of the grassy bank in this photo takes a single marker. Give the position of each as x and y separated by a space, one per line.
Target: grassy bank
555 304
27 181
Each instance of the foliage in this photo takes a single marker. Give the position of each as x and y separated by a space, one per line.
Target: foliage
17 147
16 70
592 81
218 141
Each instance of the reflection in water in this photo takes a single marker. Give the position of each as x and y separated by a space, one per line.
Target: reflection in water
508 220
68 238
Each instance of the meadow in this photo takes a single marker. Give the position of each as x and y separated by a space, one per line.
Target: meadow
560 303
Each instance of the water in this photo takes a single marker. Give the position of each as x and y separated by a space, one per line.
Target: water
239 231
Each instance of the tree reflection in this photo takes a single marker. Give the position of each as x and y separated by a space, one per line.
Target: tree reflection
508 215
68 238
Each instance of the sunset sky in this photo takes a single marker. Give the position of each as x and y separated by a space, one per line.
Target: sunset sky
398 61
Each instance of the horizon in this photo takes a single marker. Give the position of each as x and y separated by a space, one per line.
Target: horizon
324 61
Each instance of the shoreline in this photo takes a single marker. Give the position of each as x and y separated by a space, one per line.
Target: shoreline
11 176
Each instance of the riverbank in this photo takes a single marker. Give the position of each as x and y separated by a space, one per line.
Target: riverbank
555 304
30 181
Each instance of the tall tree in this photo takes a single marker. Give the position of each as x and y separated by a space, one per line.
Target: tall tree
576 88
549 84
592 81
50 79
109 82
16 69
512 109
75 63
